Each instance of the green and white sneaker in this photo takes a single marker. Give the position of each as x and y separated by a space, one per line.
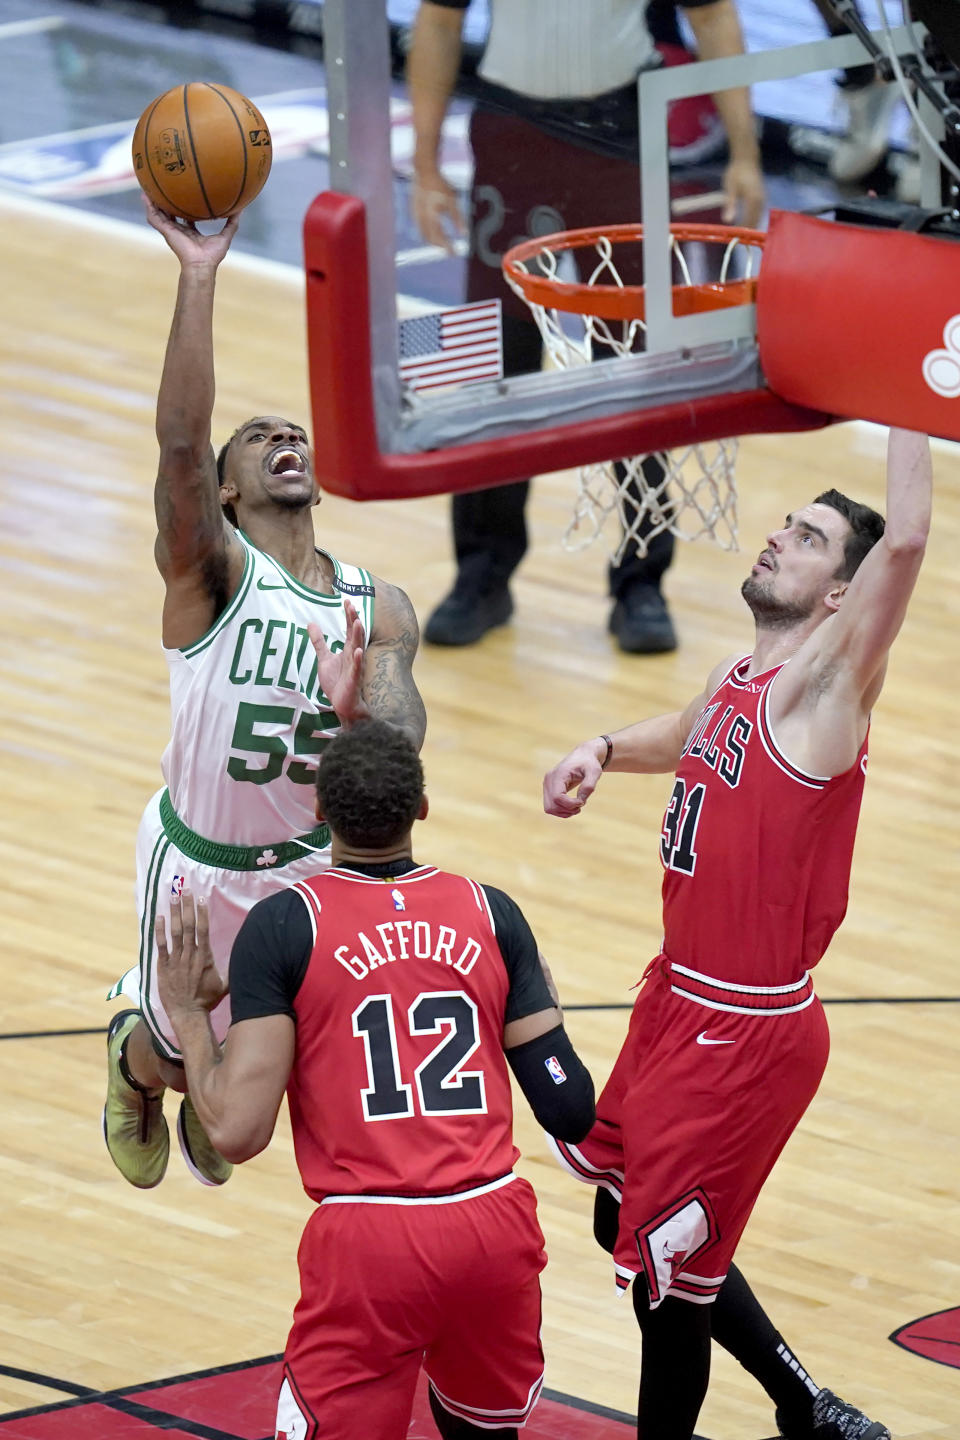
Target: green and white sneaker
134 1129
205 1163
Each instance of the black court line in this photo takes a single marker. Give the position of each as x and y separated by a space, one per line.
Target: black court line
559 1398
589 1005
840 1000
163 1420
52 1035
119 1399
893 1000
48 1382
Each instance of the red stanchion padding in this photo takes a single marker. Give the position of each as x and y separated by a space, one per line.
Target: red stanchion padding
861 322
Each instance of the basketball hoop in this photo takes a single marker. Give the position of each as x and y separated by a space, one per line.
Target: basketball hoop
689 492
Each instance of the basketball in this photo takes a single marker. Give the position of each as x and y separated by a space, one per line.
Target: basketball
201 151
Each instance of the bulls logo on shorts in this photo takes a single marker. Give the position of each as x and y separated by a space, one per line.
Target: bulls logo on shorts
292 1422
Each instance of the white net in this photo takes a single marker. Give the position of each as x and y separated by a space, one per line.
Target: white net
690 492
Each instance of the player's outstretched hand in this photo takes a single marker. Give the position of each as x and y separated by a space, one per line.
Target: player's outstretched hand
581 768
186 241
186 975
340 674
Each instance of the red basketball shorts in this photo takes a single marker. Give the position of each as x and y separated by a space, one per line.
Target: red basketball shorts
388 1287
702 1099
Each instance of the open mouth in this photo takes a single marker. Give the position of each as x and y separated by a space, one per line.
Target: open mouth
287 462
764 561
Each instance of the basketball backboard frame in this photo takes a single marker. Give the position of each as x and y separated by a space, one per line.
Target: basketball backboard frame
699 378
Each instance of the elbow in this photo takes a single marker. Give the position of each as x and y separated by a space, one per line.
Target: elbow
572 1113
182 454
909 547
575 1124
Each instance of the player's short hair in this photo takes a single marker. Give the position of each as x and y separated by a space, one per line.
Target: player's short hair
370 785
228 510
866 528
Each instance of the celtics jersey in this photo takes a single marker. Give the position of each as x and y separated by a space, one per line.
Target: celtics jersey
249 717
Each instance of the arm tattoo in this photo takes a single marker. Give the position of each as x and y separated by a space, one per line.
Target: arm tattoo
388 684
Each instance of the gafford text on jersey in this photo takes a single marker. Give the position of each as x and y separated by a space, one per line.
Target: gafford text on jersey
756 852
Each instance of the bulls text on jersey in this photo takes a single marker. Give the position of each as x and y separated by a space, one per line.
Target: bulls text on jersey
724 747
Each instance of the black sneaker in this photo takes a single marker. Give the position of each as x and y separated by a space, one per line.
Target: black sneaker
641 622
466 615
833 1419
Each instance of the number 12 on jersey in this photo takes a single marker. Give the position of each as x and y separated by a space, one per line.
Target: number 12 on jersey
680 827
442 1087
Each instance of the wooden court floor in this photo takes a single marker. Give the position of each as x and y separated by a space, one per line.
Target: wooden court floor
858 1232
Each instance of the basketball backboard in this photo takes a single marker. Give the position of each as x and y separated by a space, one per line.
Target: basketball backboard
699 376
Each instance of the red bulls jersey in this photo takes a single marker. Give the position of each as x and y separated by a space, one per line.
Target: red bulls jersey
756 852
400 1086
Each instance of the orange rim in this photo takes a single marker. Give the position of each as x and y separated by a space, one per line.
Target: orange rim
627 302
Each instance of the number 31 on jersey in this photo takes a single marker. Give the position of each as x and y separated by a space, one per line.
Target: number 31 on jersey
679 834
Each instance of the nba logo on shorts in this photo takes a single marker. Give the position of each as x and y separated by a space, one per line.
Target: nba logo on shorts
292 1424
176 885
555 1070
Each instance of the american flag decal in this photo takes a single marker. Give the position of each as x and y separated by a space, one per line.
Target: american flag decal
452 347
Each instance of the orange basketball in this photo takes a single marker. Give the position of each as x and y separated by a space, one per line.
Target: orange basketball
201 151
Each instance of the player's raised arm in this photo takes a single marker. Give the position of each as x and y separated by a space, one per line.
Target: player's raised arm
648 747
859 636
195 551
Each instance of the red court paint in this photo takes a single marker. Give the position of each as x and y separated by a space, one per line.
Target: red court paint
935 1337
239 1403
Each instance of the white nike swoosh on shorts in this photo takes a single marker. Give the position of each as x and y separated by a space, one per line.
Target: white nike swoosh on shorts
702 1040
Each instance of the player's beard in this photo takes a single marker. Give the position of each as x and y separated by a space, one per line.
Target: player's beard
769 612
287 500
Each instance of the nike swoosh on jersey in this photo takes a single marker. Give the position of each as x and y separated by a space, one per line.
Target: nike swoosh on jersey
702 1040
269 585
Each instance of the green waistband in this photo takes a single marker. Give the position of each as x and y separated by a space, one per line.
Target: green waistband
237 857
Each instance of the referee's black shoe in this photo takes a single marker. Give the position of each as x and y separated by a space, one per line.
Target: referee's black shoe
833 1419
467 613
641 621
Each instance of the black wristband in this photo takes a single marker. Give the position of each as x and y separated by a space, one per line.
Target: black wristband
607 758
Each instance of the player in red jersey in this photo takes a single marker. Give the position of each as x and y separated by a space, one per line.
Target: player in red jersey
727 1041
386 998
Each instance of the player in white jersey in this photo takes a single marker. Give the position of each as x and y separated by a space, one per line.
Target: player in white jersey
272 645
